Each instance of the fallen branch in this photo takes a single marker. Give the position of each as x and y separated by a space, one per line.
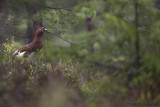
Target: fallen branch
3 51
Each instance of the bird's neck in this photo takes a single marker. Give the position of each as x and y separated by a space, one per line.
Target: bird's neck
38 38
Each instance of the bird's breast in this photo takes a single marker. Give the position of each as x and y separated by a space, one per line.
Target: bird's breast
38 45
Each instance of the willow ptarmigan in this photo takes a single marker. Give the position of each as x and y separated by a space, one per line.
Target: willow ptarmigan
35 45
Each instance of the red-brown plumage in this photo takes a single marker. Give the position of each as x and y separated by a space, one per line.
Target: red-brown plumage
35 45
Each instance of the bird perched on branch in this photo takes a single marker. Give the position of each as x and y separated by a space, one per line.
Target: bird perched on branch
35 45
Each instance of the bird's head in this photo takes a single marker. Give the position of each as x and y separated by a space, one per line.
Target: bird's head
41 30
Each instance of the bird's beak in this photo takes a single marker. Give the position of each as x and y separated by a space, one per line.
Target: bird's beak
44 30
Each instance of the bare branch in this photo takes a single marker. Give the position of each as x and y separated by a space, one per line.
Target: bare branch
66 40
54 27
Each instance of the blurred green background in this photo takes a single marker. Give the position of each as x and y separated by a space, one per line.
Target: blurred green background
115 59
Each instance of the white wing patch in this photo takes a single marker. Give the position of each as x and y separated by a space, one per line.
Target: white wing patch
18 53
15 52
21 53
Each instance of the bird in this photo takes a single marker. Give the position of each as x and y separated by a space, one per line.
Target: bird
35 45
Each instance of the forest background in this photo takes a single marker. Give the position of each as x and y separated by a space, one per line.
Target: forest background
113 58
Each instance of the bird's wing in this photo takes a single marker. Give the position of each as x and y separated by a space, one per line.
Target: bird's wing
21 51
27 48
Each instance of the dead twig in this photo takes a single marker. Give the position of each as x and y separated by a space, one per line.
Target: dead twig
3 51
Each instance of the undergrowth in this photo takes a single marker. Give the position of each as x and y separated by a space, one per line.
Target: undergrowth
58 83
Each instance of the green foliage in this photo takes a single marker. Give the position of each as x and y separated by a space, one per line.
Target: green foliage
100 68
23 79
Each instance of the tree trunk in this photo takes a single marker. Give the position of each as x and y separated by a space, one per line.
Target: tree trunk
32 27
157 5
30 32
137 42
90 28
